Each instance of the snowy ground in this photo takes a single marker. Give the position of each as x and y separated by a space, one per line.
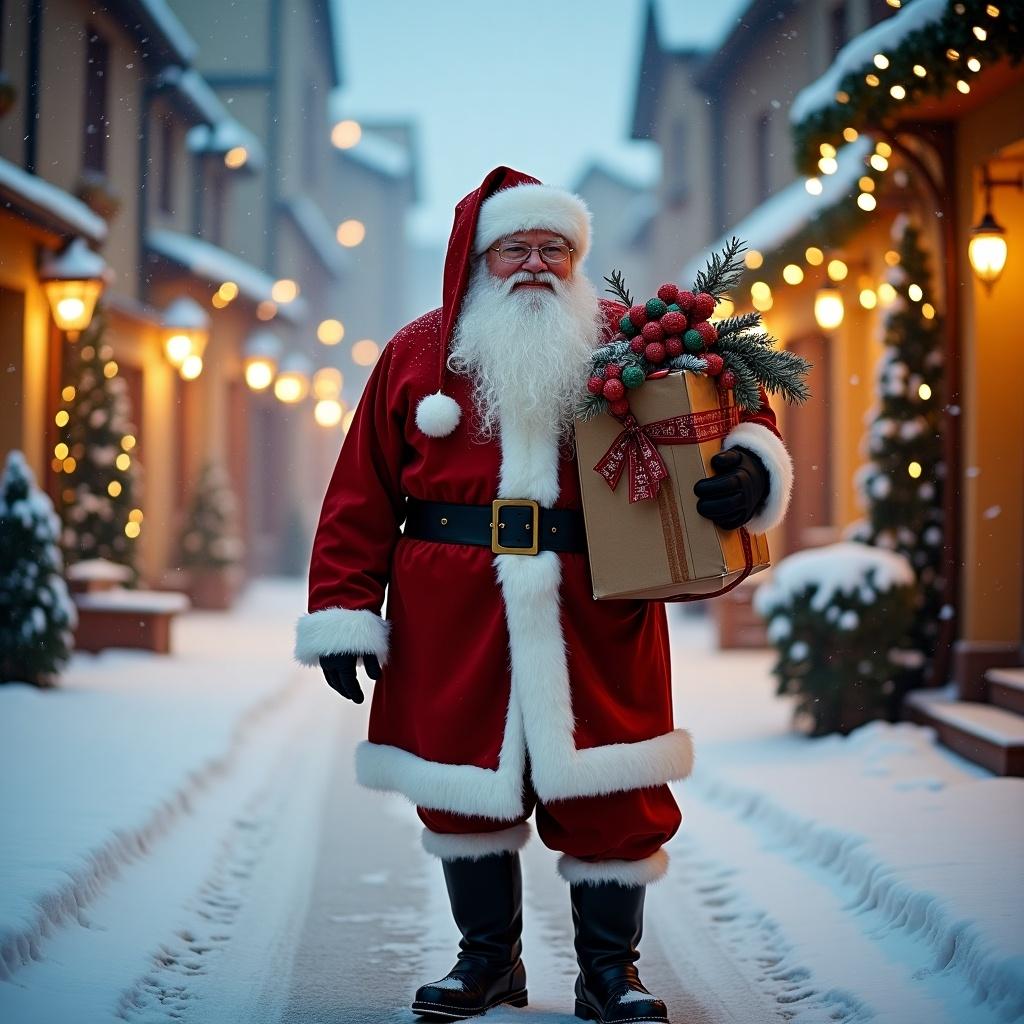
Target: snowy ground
184 841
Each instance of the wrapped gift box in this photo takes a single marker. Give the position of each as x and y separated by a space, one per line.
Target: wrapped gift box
657 547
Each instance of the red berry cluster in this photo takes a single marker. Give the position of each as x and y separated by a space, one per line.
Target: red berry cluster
664 327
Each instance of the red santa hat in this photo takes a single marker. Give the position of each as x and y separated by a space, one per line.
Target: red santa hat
506 201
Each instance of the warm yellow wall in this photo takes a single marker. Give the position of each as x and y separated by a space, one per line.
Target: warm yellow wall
22 426
993 366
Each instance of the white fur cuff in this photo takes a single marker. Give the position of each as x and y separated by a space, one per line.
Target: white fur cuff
625 872
340 631
776 458
474 845
437 415
525 207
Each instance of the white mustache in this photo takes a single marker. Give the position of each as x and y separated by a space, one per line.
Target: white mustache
527 277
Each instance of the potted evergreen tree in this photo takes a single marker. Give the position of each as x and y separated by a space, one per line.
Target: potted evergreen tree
211 549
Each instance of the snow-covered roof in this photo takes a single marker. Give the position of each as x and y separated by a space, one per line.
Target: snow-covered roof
156 17
785 214
215 265
313 224
47 204
859 53
380 154
685 25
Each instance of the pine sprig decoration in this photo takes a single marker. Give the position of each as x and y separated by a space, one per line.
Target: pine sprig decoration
736 324
723 271
778 372
618 288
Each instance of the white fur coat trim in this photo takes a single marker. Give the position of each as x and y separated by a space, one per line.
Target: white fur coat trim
340 631
776 458
474 845
625 872
540 715
525 207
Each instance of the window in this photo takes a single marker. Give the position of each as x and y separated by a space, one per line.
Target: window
217 211
676 177
838 27
762 157
97 62
166 164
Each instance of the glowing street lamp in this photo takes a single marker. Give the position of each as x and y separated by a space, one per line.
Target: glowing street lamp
261 352
186 327
987 248
828 308
73 281
292 384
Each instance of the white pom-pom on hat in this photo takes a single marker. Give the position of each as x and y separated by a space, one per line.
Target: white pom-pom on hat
437 415
525 207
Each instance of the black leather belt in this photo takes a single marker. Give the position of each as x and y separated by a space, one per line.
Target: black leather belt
516 526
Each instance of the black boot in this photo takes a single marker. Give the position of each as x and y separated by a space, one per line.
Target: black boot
608 919
487 903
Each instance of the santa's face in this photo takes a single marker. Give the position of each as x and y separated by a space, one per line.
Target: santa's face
534 264
525 334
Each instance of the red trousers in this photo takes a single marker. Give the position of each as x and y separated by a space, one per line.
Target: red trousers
612 836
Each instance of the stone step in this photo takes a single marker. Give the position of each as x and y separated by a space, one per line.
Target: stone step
990 736
1006 688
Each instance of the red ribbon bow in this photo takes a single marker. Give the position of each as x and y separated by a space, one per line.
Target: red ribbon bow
636 444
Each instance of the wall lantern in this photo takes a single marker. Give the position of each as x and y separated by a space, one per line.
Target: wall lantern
292 384
828 308
73 280
261 353
186 328
987 248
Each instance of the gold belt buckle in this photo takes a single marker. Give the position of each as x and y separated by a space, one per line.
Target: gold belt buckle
496 506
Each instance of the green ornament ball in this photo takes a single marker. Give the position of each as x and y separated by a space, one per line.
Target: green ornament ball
674 308
656 308
633 376
693 342
627 328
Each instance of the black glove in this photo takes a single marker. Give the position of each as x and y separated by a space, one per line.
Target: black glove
340 673
736 491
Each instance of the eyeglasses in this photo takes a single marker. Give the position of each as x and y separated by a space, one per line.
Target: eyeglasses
519 252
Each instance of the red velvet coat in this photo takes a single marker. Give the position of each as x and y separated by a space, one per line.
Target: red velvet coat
487 658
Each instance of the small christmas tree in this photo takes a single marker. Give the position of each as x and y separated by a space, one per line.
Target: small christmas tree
836 615
99 473
210 539
36 614
902 484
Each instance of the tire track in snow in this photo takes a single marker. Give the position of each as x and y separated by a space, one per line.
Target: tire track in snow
100 867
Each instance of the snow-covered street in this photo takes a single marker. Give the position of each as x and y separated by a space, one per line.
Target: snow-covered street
189 844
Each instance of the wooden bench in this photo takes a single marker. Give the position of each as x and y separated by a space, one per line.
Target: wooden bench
119 617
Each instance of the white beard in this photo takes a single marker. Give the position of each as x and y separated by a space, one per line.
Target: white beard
527 350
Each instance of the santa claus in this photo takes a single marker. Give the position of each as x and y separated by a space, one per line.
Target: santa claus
503 688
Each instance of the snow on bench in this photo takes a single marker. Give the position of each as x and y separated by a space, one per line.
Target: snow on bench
121 617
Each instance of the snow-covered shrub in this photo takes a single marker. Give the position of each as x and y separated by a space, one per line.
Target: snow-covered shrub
836 615
36 613
210 538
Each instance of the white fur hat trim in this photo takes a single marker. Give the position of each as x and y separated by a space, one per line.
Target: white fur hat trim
525 207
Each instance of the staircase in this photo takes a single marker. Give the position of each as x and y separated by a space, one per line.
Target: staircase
989 732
